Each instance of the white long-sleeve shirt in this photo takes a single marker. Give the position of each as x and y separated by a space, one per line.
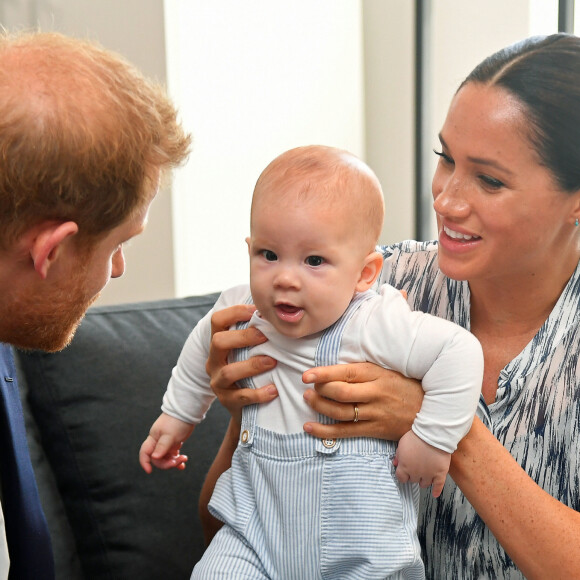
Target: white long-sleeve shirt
446 358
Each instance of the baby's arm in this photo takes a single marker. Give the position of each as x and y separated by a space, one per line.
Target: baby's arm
448 360
162 446
188 395
421 463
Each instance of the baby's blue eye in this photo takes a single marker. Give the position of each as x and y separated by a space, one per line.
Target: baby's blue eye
269 255
315 261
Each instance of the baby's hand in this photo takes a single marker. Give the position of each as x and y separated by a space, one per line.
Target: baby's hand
162 446
421 463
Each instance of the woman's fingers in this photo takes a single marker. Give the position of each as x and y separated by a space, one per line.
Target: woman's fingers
226 340
386 401
340 430
234 400
223 340
334 377
224 376
224 384
227 317
337 410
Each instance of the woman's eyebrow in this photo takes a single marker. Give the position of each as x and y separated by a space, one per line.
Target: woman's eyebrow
481 160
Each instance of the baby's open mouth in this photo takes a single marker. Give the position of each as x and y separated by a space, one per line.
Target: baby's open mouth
289 312
288 308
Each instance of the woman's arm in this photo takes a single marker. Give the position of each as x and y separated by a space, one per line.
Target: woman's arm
541 535
221 463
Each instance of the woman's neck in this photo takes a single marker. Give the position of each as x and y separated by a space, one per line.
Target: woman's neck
507 314
518 305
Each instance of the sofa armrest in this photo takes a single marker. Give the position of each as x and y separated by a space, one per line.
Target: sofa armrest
93 404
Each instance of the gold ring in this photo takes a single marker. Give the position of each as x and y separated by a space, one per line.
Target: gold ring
355 420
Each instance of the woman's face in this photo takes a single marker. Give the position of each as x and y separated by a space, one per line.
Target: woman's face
499 211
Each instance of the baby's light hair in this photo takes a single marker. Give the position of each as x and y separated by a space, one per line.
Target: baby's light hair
318 174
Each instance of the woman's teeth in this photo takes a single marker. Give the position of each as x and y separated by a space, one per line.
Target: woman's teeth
458 236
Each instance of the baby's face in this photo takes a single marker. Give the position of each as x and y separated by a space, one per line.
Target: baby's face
304 265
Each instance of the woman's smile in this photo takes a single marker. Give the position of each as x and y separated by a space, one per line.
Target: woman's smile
458 235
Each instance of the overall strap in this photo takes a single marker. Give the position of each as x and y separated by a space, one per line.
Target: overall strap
250 412
328 348
327 353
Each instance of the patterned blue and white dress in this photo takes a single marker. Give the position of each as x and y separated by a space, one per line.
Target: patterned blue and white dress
536 415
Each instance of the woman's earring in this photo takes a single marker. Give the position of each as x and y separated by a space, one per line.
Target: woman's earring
576 222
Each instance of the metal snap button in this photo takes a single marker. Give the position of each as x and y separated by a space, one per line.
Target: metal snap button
329 443
245 436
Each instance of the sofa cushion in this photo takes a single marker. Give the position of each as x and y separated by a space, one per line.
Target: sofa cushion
94 403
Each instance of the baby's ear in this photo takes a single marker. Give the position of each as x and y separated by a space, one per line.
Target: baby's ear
372 266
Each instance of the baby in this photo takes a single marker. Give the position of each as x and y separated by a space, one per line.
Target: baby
295 506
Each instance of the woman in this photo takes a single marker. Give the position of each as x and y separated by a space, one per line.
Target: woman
507 197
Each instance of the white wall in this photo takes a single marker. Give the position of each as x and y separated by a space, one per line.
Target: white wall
253 79
389 60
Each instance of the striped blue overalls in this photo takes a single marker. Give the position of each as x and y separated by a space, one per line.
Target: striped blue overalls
301 508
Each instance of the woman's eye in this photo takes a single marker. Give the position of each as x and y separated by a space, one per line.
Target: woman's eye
315 261
444 157
491 182
269 255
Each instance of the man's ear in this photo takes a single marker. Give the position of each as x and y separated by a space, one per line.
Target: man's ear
47 243
248 241
370 271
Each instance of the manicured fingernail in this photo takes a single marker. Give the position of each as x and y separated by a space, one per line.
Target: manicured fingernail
272 390
309 378
307 395
307 427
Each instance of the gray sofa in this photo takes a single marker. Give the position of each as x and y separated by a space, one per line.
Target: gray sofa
88 408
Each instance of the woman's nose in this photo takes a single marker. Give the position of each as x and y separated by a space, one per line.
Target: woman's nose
450 197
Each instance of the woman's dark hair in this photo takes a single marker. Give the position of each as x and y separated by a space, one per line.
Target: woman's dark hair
543 73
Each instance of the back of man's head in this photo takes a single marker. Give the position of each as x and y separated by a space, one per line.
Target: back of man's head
83 135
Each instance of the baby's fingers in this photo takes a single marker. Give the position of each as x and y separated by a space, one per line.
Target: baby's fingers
145 452
438 484
402 475
171 462
165 446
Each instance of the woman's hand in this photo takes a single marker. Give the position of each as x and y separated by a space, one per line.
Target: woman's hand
387 401
223 376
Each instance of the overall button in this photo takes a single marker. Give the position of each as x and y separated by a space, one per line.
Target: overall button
245 436
329 443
